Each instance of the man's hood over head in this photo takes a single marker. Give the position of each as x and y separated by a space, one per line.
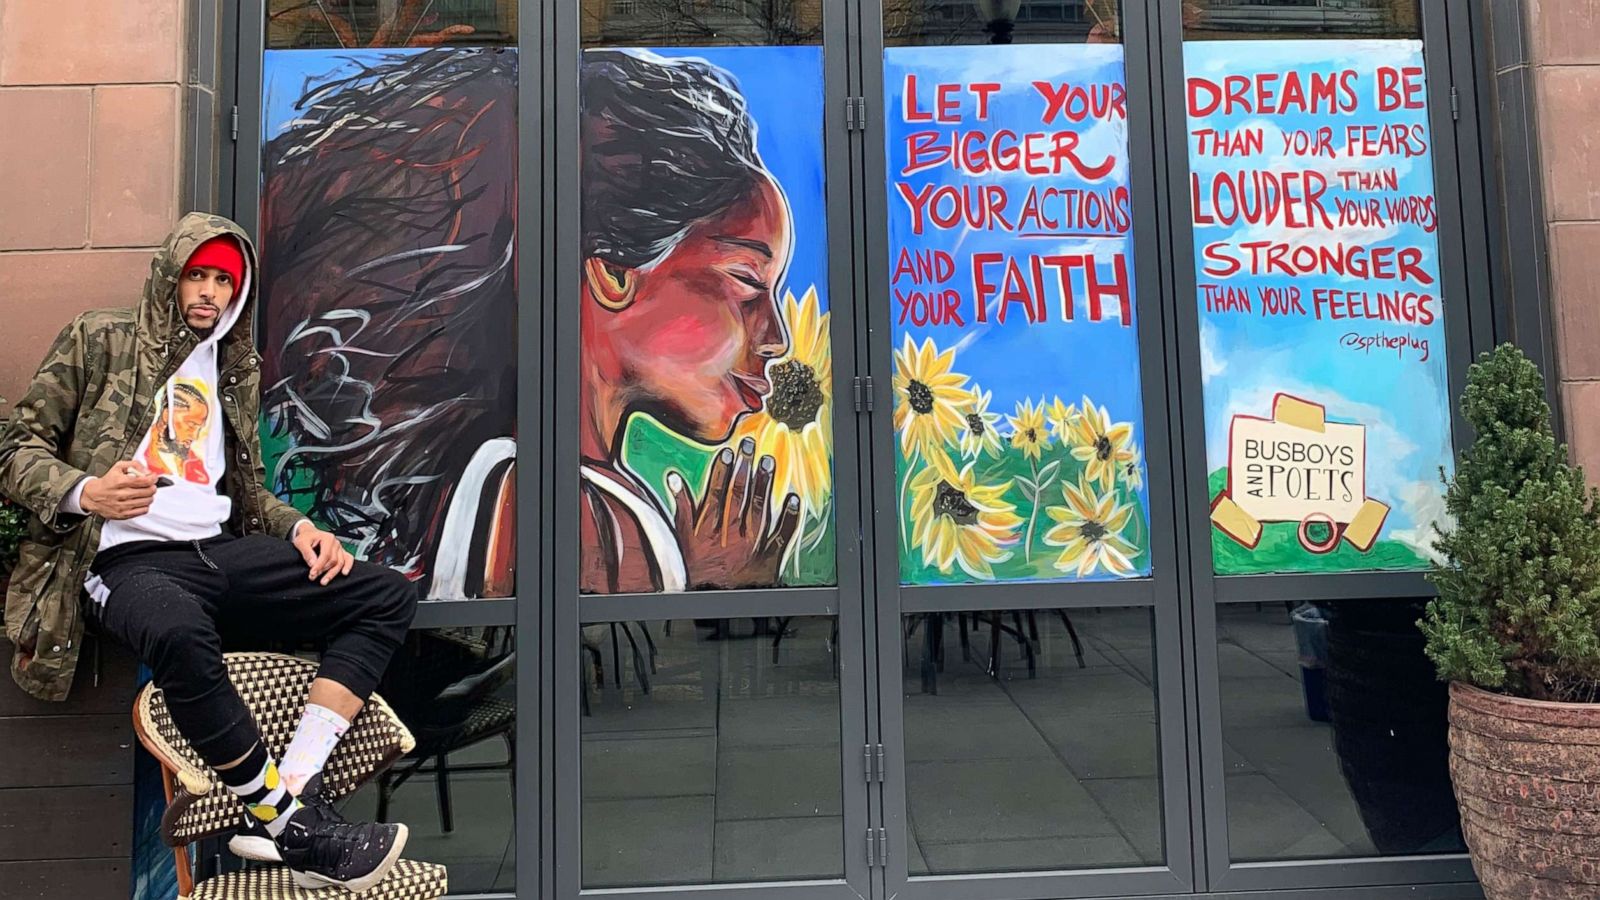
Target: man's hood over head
161 322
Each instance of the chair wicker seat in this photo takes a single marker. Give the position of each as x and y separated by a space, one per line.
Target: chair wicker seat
274 689
409 880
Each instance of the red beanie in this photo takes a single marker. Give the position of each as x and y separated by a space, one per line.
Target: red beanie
220 253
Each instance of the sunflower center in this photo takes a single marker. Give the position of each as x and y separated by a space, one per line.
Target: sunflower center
975 424
1092 531
795 396
1102 447
921 397
1033 435
953 503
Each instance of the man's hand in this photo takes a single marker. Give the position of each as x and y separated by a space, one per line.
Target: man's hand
726 537
124 492
323 553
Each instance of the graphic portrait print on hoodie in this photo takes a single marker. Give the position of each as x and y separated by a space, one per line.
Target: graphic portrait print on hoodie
186 442
178 439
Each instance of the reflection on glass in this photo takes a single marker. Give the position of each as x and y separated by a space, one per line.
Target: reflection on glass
455 689
711 751
348 24
1333 729
921 23
1209 20
1031 741
701 23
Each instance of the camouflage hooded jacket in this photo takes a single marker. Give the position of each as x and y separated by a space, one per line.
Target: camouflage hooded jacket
91 401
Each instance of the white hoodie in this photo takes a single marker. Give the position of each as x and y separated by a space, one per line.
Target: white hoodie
186 444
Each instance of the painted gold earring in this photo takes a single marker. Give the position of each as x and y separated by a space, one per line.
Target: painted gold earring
606 291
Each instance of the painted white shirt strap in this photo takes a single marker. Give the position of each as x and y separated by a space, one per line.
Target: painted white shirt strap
658 535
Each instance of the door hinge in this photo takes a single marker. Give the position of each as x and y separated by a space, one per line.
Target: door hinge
233 124
862 386
1455 103
855 114
877 848
872 762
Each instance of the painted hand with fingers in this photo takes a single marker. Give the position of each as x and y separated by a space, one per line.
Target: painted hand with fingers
729 538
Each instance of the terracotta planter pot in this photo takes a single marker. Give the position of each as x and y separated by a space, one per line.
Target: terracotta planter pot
1527 780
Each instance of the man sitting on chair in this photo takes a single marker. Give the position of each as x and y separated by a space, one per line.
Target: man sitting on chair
136 449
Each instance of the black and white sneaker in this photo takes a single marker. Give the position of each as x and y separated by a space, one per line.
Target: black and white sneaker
252 841
321 848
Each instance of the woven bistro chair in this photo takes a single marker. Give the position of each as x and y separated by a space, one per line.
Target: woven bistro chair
274 689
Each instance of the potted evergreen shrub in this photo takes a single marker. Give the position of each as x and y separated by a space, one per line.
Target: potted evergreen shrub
1516 631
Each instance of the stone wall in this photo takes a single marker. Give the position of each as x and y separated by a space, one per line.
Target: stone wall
90 161
1562 45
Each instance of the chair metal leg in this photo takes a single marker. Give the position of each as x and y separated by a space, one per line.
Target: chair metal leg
966 647
383 798
777 640
441 778
616 657
650 643
639 673
1027 645
994 644
599 663
1077 645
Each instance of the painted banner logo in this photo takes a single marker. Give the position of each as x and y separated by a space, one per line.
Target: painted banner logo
1298 467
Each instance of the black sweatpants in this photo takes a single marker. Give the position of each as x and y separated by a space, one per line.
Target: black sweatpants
174 604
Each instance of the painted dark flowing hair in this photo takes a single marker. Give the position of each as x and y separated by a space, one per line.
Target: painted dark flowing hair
389 296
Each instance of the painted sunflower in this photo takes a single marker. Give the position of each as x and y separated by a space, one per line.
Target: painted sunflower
1100 445
1132 471
1061 416
957 521
795 424
1028 429
980 435
930 401
1089 531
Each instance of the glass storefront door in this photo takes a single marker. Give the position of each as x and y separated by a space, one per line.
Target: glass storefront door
1024 551
709 608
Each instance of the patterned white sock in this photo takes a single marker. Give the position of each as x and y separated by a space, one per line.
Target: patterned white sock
319 732
257 782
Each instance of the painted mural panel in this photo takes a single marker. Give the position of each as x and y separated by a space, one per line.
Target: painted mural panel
389 305
1321 315
706 402
1017 402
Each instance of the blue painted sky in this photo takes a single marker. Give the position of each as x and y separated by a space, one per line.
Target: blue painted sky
1247 358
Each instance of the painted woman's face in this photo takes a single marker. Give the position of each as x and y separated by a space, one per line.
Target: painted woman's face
704 321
